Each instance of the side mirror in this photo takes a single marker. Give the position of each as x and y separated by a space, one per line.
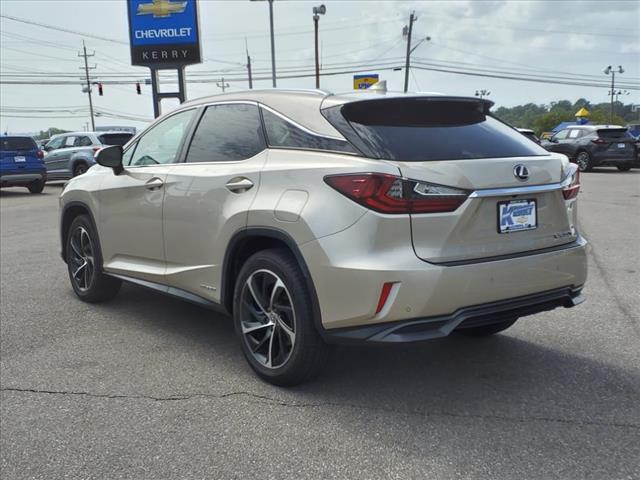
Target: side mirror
553 140
111 157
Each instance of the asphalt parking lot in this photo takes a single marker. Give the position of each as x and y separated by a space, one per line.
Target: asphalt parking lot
149 387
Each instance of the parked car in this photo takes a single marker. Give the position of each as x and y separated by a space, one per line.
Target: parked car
595 145
21 163
634 129
71 154
530 134
314 218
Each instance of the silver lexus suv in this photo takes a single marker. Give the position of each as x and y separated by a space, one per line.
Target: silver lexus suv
315 218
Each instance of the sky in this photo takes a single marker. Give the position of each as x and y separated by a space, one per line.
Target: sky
570 39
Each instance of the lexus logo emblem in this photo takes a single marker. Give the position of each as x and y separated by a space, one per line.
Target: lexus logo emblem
521 172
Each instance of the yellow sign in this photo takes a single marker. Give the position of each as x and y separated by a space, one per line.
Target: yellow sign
361 82
161 8
583 112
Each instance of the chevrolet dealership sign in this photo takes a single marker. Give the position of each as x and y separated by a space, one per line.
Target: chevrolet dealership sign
164 32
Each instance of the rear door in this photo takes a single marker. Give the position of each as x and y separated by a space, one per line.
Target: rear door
455 143
19 154
207 197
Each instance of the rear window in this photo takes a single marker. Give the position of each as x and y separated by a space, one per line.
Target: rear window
17 143
428 129
114 138
614 133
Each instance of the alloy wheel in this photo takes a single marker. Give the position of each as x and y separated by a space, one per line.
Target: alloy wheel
267 318
81 259
582 161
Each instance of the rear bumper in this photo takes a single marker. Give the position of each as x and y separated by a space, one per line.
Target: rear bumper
21 179
604 158
350 268
420 329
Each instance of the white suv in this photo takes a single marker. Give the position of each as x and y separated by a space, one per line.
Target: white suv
315 218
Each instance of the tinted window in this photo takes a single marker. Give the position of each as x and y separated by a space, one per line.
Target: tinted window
82 142
114 138
227 133
410 129
614 133
17 143
160 145
281 133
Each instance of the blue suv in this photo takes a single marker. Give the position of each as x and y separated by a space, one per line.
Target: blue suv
21 163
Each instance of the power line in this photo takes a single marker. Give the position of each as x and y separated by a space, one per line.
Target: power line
65 30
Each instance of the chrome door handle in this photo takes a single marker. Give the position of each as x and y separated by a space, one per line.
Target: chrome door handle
239 184
154 184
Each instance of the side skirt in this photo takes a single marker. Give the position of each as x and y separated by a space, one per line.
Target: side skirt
173 292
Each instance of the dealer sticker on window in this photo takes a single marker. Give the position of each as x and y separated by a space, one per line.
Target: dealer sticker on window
516 216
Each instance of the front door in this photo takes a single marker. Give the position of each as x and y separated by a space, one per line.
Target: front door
130 204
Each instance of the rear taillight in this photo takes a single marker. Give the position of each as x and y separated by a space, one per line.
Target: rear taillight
40 154
572 185
96 149
598 141
390 194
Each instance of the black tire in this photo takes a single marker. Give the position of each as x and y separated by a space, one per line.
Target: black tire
303 357
36 187
80 168
624 168
486 330
584 162
89 283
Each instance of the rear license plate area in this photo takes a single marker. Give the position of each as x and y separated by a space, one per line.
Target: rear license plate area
19 159
517 216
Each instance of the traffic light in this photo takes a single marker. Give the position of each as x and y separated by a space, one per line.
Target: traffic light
138 89
100 89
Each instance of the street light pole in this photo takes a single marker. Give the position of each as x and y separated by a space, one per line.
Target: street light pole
482 93
607 71
273 42
317 11
409 30
273 45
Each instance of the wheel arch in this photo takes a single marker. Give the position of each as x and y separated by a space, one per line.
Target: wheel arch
70 211
248 241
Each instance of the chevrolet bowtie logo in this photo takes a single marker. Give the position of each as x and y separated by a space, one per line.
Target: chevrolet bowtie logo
161 8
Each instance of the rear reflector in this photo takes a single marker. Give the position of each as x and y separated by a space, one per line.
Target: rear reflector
572 190
384 295
395 195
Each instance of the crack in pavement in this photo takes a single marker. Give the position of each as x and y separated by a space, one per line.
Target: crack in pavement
283 403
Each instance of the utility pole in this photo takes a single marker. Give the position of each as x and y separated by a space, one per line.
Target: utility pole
409 31
273 45
86 73
248 64
607 71
317 11
222 85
